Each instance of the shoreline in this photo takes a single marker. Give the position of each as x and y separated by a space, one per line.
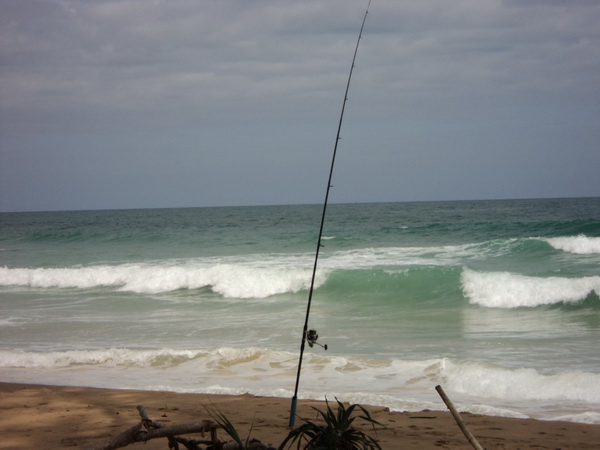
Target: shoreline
60 416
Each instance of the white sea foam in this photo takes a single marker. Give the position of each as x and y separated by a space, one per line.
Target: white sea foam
581 245
591 417
108 357
508 290
402 256
487 380
261 371
229 280
264 275
11 321
249 276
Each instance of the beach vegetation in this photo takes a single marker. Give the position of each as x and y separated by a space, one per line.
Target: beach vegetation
334 432
229 428
239 443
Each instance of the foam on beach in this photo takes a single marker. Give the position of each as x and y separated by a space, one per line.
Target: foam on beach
397 384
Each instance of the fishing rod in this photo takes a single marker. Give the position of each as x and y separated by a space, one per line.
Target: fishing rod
311 336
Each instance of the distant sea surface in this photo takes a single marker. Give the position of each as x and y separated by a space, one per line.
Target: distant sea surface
497 301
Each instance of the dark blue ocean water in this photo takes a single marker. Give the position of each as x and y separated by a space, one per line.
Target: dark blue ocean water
495 300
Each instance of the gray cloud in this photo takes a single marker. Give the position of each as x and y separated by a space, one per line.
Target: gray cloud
234 99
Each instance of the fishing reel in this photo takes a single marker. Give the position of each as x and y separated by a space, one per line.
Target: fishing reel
311 337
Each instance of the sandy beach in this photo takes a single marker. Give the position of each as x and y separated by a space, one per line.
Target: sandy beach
61 417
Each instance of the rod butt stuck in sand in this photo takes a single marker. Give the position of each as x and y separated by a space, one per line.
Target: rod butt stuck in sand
305 332
458 419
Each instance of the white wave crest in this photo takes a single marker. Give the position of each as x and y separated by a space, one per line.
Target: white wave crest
508 290
249 276
229 280
108 357
487 380
581 245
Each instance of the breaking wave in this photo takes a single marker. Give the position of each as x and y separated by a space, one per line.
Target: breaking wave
228 280
509 290
580 245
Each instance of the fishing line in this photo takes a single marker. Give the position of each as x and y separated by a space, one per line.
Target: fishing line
311 336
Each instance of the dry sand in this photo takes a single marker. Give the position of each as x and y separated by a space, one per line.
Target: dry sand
33 416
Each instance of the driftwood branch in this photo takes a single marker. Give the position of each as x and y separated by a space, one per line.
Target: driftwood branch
148 429
190 444
458 419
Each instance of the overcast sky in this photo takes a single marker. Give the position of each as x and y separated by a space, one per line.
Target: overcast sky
168 103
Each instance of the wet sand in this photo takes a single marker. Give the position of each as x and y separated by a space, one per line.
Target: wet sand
36 416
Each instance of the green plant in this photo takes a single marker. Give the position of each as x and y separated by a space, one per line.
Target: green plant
226 424
336 433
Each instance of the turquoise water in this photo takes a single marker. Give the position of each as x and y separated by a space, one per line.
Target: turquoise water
495 300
